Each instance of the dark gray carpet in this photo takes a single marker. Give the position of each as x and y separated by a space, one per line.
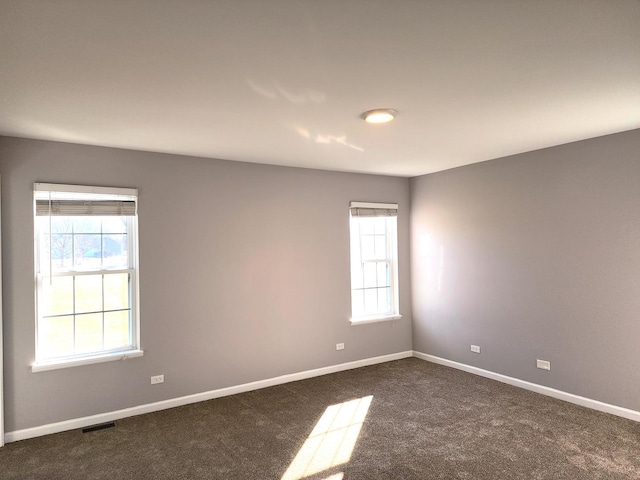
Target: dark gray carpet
424 421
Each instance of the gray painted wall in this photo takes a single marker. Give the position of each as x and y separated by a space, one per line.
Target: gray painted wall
245 272
244 275
535 256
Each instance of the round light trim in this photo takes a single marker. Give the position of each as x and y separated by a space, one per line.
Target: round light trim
379 115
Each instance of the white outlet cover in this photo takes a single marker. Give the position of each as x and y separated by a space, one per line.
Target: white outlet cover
543 364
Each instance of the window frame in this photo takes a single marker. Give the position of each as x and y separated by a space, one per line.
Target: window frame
391 259
132 269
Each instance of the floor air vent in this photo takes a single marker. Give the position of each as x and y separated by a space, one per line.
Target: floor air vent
98 427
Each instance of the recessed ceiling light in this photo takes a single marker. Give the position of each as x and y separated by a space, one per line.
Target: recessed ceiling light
379 115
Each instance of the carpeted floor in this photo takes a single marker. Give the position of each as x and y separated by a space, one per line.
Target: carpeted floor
407 419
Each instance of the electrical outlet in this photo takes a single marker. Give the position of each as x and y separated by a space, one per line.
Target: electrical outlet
157 379
339 346
475 348
543 364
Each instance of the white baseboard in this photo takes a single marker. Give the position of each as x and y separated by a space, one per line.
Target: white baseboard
198 397
223 392
551 392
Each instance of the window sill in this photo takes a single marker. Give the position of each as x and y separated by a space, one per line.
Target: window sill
366 320
76 362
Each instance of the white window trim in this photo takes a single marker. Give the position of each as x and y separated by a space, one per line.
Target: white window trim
372 205
395 315
374 319
82 189
88 360
132 237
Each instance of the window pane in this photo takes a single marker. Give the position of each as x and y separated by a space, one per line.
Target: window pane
383 279
88 333
381 246
43 253
88 254
61 251
115 251
369 269
88 293
55 337
380 225
357 303
116 291
60 224
370 301
116 329
57 296
114 224
384 296
367 226
368 247
356 275
86 224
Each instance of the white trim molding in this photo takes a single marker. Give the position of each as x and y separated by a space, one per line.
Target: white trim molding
82 422
534 387
60 187
77 362
366 320
372 205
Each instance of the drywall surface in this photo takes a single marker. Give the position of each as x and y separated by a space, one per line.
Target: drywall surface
535 256
244 275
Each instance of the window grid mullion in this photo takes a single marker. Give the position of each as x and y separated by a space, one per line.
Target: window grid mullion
74 314
102 275
101 246
132 258
89 313
73 264
79 273
102 313
393 267
360 253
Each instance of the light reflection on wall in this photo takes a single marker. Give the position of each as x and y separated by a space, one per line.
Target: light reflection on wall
440 268
432 258
332 440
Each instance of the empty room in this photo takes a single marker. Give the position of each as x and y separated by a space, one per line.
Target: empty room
320 240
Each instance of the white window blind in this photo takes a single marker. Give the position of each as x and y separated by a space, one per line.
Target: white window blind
79 208
388 210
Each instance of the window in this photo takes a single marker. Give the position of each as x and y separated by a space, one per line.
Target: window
86 275
374 262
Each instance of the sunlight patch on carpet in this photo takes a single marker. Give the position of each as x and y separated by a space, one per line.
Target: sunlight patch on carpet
332 440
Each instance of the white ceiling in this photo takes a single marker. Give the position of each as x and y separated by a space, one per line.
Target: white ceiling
284 81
